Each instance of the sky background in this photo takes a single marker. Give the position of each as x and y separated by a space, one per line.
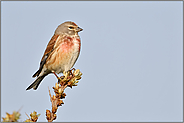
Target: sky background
131 59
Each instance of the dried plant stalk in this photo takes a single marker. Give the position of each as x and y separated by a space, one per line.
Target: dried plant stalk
69 79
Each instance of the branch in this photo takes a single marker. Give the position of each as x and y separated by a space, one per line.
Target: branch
69 79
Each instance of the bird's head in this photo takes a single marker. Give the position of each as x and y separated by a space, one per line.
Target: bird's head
69 28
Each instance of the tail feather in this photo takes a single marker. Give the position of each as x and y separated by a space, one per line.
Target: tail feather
36 83
37 73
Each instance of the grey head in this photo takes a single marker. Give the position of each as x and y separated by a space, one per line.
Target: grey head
69 28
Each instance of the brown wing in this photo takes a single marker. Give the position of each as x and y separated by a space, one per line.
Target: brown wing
47 52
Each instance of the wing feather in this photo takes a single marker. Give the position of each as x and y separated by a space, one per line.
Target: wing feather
47 52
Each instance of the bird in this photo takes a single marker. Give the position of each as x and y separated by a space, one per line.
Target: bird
61 52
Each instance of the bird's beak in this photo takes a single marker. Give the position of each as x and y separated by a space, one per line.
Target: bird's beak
79 29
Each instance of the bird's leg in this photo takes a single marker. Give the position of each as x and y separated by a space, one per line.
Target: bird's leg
71 71
59 79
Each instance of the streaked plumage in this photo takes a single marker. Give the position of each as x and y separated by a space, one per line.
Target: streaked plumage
61 53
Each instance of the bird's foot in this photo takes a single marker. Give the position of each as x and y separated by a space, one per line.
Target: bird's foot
59 79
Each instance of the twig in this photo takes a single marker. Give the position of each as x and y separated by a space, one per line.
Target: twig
68 80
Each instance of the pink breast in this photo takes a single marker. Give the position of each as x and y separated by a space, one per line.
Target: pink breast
69 44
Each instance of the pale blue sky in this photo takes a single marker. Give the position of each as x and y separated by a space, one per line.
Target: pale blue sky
131 59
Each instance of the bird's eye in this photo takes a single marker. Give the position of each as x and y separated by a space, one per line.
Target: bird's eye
70 27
